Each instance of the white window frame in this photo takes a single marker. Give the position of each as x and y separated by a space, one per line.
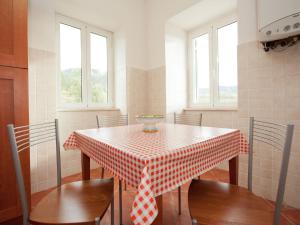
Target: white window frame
86 29
212 29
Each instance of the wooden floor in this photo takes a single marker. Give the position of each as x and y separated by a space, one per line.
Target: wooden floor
291 216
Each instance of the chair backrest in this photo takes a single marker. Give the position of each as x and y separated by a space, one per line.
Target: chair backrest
280 138
188 119
111 120
22 138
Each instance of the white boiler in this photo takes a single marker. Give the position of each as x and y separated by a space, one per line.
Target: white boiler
278 20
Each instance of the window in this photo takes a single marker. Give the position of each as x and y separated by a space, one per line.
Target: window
201 68
213 57
84 71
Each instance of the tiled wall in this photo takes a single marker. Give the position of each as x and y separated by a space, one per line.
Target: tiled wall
269 88
156 91
42 92
145 92
137 87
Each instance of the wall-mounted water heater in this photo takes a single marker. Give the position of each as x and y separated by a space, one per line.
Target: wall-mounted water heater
278 23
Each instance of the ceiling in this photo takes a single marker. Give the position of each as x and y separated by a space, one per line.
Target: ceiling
203 12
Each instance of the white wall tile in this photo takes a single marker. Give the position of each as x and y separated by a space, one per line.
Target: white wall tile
273 84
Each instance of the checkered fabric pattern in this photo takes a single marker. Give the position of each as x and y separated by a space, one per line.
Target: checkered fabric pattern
157 163
144 209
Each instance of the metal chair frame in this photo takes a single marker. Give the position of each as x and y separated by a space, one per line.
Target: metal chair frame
186 119
112 121
280 138
23 138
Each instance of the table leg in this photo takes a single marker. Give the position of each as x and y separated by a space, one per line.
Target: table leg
159 219
234 170
85 166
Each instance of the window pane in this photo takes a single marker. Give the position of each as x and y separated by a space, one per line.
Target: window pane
201 69
70 64
99 69
227 53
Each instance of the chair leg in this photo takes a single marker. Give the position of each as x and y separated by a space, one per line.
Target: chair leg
199 178
179 200
112 211
102 172
97 221
125 186
120 201
194 222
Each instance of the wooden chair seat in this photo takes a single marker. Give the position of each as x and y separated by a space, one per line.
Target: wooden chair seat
218 203
74 203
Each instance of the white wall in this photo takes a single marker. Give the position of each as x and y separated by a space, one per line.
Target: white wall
42 88
120 93
279 10
176 68
247 26
41 25
113 16
158 12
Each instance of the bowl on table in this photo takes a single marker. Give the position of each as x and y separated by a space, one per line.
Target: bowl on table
150 122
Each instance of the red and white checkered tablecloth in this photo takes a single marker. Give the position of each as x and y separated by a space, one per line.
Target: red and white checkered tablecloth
157 163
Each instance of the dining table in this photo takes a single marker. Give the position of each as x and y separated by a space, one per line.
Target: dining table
159 162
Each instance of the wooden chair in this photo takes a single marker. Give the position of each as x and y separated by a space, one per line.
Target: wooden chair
213 202
186 119
81 202
113 121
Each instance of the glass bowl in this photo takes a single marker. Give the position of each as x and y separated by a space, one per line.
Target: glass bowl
150 122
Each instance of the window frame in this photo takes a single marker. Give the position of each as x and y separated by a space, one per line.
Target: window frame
212 29
86 29
194 34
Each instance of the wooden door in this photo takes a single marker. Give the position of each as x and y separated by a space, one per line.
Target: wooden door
13 109
13 33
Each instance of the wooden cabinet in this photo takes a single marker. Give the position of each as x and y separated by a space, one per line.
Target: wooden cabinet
13 100
13 30
13 109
